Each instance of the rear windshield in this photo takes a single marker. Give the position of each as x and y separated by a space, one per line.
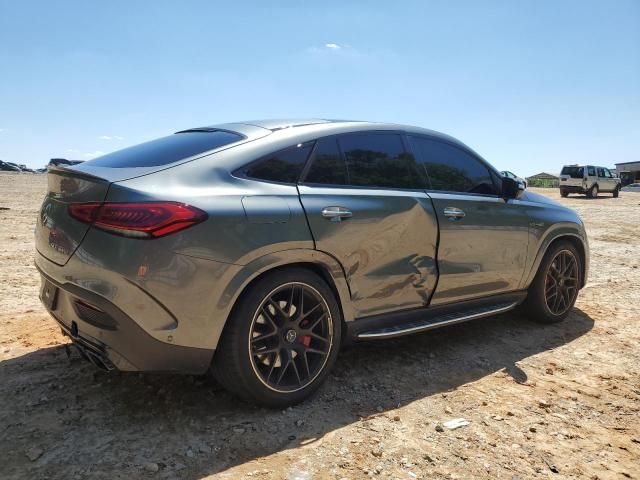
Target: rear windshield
166 150
573 172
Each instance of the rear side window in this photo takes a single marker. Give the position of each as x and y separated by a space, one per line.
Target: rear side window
284 166
451 169
379 160
592 171
327 165
573 172
166 150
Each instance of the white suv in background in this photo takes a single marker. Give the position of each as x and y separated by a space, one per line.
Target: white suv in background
589 180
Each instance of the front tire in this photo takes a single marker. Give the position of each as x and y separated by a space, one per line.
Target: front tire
281 340
554 290
616 192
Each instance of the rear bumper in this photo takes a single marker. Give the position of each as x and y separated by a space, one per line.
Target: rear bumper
111 339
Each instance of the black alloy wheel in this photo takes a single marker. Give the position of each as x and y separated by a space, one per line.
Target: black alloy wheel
554 290
281 339
290 337
561 282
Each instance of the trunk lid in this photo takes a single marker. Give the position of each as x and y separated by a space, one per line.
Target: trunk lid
57 234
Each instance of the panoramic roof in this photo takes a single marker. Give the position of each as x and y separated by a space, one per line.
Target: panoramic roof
280 123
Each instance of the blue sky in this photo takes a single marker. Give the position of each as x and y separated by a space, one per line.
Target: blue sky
530 85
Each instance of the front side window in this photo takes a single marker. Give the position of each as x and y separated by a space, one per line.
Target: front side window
601 172
166 150
284 166
327 165
452 169
379 160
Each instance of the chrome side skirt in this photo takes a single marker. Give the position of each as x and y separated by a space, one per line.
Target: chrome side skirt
435 322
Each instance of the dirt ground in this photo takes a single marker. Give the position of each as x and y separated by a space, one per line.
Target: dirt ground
559 401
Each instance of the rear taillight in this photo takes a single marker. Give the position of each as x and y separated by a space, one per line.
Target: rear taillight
138 220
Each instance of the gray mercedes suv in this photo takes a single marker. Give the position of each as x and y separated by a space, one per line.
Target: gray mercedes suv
254 250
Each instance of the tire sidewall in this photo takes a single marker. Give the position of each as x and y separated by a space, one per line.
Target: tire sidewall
243 319
537 292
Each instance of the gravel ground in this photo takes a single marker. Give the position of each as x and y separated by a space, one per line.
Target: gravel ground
558 401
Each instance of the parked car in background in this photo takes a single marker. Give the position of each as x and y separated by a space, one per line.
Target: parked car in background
254 250
64 161
9 167
15 167
508 174
633 187
589 180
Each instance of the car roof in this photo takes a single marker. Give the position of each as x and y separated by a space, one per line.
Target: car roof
280 123
306 127
589 165
263 137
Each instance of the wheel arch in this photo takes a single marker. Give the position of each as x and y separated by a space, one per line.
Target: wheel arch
323 265
553 239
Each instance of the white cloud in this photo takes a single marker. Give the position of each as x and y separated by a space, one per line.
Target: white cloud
97 153
332 51
72 150
110 137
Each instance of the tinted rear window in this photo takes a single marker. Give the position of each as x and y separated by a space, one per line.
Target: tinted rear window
284 166
327 166
166 150
573 172
379 160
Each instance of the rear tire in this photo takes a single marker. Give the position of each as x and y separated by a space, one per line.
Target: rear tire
554 290
593 191
564 193
281 340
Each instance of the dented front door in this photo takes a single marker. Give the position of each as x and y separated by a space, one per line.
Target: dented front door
385 240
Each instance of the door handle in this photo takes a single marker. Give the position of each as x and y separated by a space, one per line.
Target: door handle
336 214
453 213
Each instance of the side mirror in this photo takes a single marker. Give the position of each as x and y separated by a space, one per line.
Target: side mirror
512 188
